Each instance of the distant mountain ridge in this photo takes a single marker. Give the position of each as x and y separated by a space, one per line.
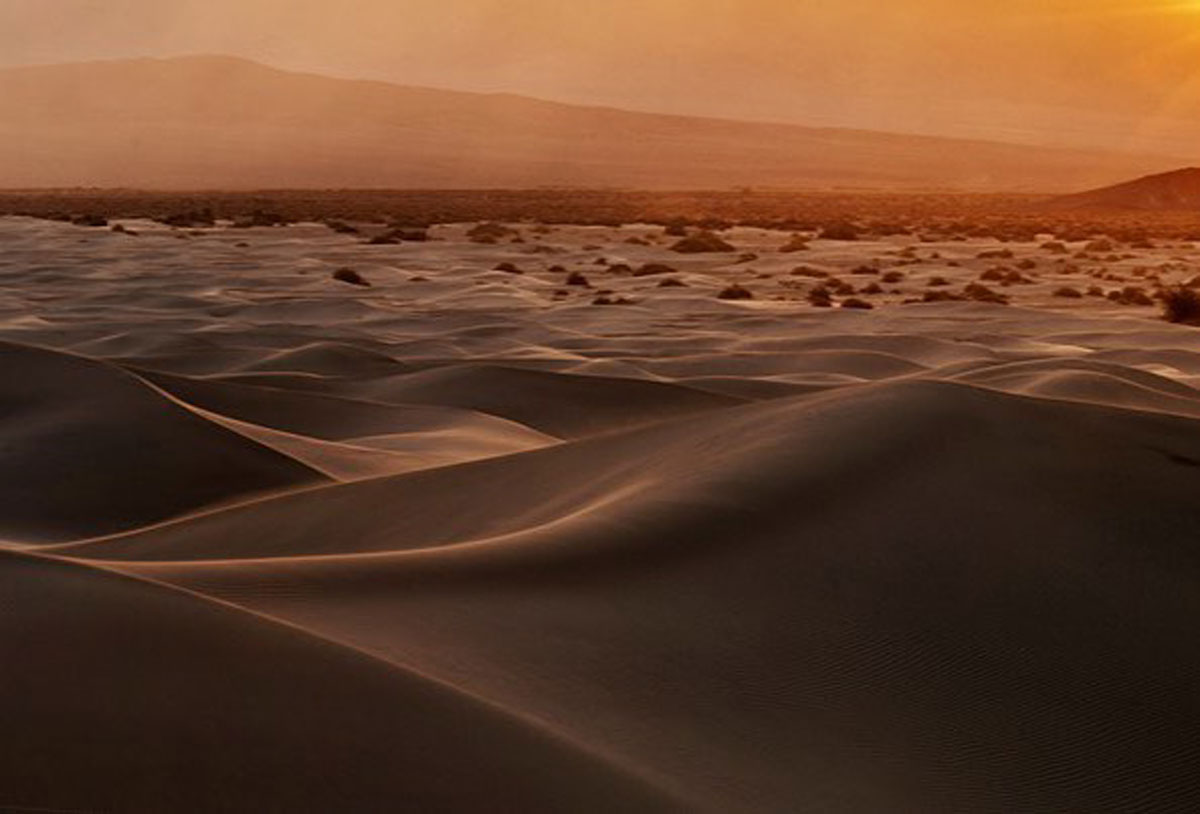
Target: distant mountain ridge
1178 190
223 122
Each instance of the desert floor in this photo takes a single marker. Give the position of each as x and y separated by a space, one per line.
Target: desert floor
564 538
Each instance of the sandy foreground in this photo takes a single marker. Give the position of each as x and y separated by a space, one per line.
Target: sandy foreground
465 540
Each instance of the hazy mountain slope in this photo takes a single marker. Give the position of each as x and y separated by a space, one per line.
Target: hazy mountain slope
224 122
1177 190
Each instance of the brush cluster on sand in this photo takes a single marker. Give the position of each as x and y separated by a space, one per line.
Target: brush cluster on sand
349 275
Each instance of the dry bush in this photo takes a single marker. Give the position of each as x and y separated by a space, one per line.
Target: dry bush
1130 295
735 292
808 271
820 297
840 231
349 275
702 243
651 269
1182 305
981 293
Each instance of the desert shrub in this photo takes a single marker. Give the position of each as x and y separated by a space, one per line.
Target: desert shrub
981 293
941 296
651 269
820 297
95 221
1181 304
809 271
1068 292
388 238
702 243
349 275
489 232
840 231
1130 295
857 303
735 292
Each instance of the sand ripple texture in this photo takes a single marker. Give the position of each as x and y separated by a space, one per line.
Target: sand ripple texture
464 541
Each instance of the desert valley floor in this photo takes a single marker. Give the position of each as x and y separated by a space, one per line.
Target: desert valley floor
532 524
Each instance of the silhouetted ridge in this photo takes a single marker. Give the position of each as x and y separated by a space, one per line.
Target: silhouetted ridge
1175 190
224 122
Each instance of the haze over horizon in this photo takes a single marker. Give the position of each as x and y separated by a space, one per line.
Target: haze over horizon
232 123
1078 73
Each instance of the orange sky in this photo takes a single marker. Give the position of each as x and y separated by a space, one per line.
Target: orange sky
1114 72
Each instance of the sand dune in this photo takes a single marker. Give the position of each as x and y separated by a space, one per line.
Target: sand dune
121 456
472 543
224 710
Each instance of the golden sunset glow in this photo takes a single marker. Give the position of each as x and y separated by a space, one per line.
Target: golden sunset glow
1077 72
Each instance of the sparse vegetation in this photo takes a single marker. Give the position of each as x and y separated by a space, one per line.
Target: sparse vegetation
349 275
702 243
735 292
840 231
1181 305
651 269
820 297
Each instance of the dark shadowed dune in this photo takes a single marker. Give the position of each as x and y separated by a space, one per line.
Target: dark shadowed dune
139 698
88 449
790 601
562 405
1178 190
